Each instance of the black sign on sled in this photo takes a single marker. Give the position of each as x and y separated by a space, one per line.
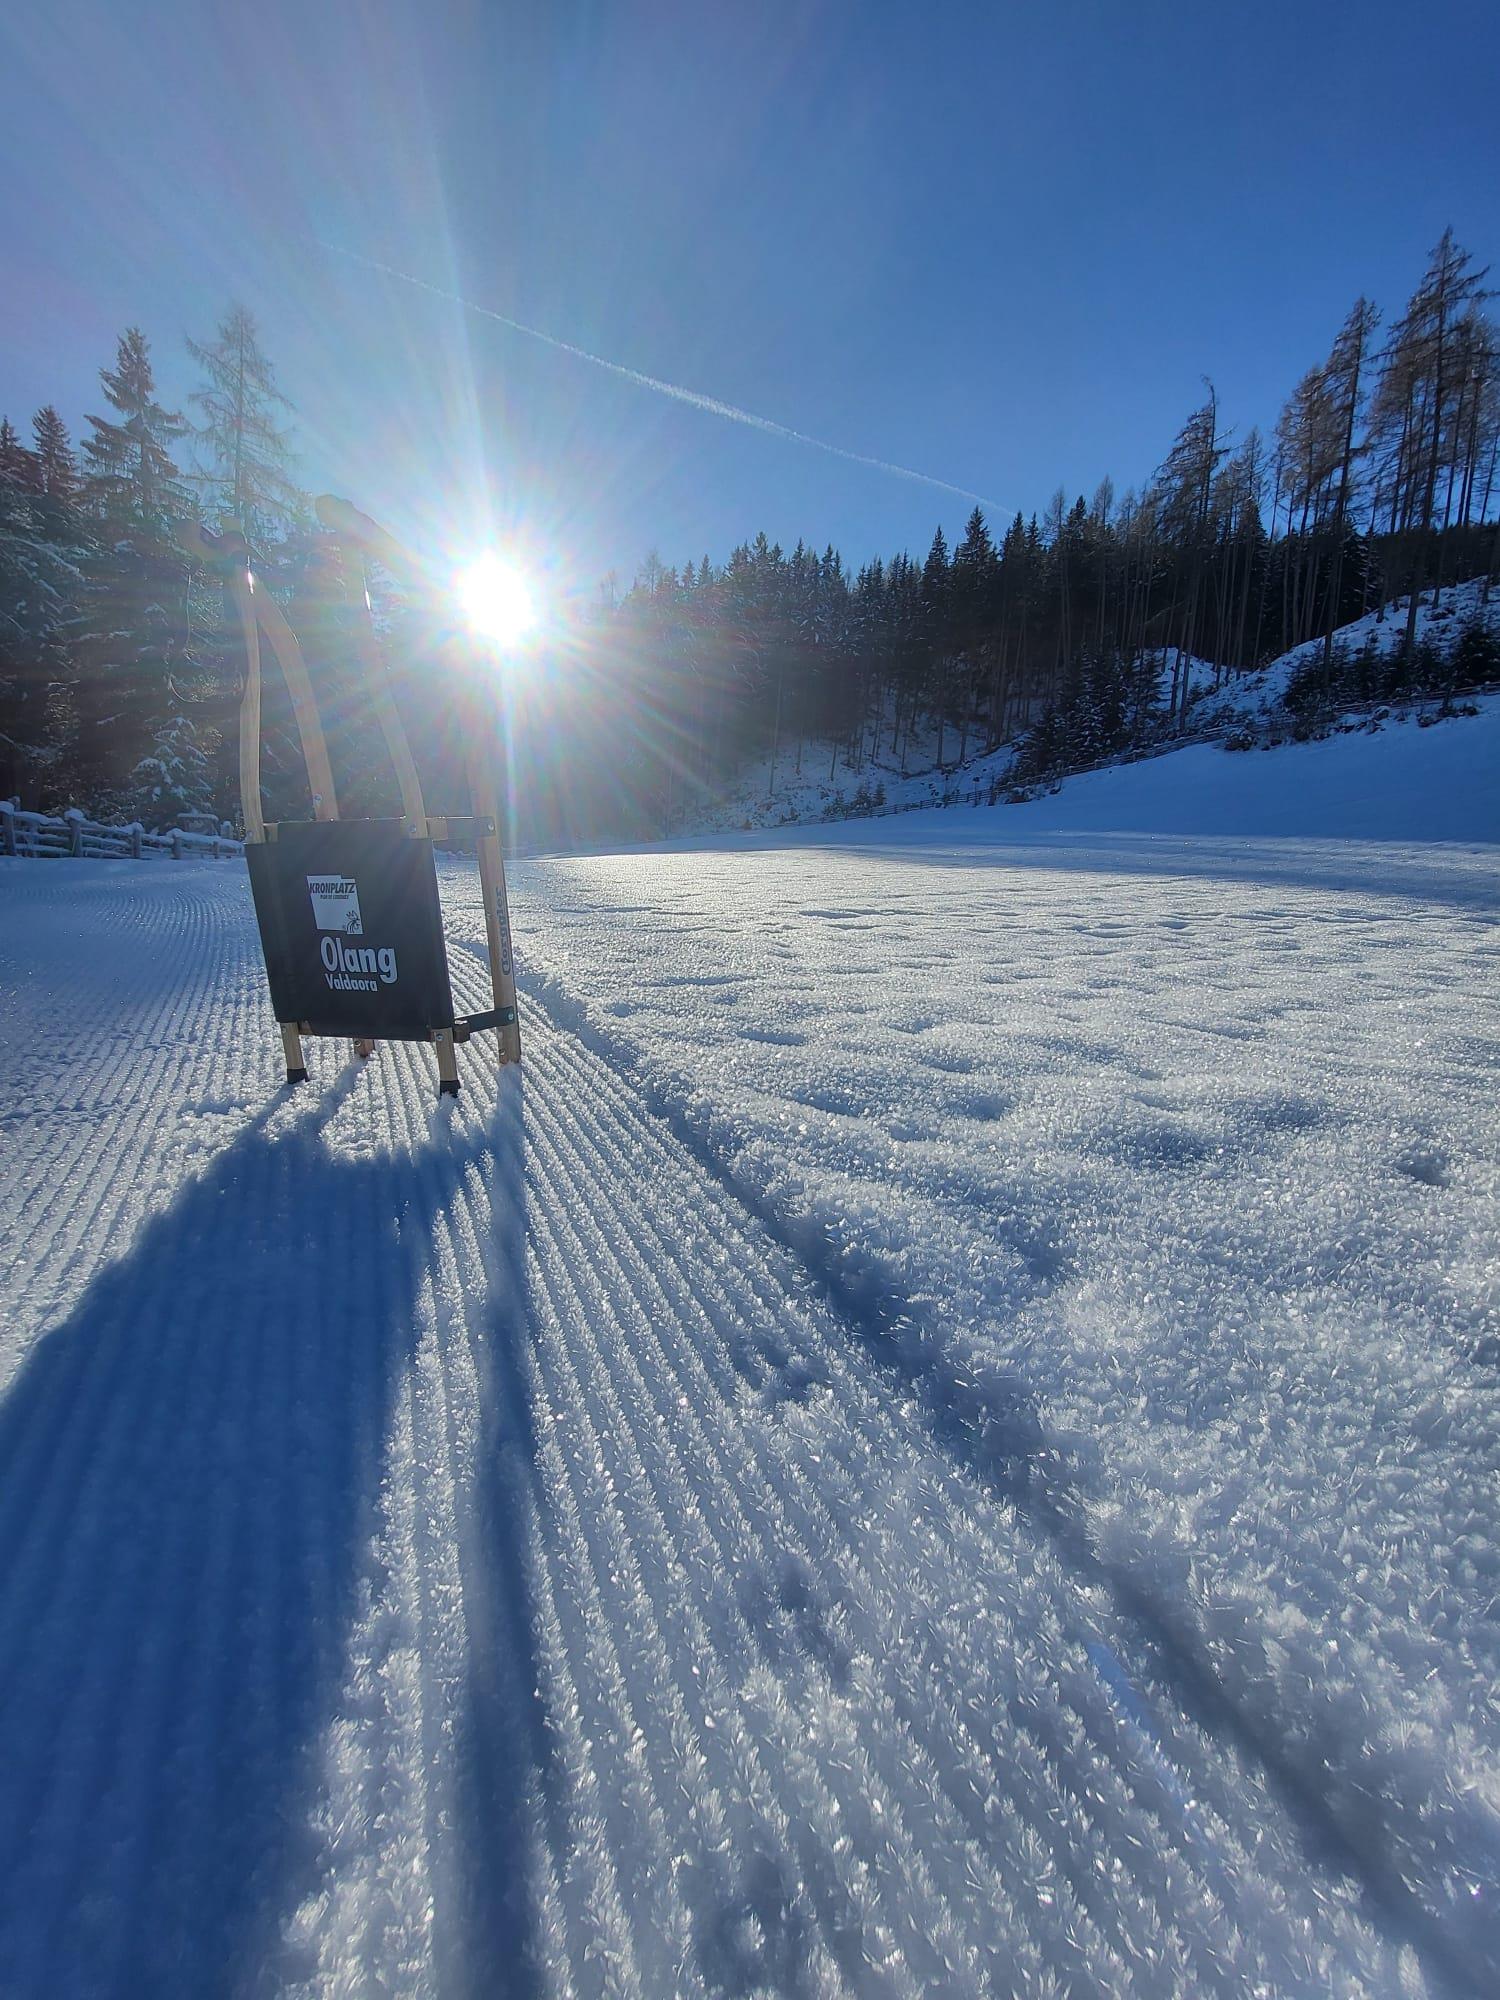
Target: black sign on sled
352 930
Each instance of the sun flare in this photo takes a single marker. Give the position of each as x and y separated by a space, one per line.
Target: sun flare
496 600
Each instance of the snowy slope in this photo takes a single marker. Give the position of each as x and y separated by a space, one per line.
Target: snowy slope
939 1437
806 788
1397 781
1439 624
1400 782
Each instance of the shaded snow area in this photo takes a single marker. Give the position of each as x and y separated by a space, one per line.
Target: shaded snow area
808 785
1437 624
1391 780
1403 782
938 1438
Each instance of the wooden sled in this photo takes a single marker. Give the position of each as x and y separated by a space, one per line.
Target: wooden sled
349 916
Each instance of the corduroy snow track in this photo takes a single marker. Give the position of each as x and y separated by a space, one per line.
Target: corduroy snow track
468 1549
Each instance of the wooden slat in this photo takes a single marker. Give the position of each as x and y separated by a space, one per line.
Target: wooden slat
481 752
242 592
350 525
283 643
377 682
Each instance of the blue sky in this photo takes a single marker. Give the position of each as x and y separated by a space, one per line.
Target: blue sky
999 245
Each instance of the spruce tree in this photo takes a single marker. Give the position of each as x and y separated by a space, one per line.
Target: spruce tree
56 462
135 668
134 486
17 466
36 589
974 578
936 606
57 490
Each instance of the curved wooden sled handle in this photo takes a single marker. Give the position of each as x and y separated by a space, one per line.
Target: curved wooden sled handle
229 553
352 526
339 516
219 554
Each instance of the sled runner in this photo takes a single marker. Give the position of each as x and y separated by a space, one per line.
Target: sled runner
348 910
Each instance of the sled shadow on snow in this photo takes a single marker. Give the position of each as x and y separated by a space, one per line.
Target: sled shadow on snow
190 1481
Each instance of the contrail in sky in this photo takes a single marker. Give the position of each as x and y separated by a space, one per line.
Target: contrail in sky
692 397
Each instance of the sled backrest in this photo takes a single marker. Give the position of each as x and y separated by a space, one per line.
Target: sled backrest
313 973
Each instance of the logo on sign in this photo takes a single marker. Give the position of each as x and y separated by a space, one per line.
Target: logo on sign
358 968
335 904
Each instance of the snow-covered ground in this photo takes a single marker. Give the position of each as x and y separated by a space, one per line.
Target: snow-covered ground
938 1437
807 782
1438 624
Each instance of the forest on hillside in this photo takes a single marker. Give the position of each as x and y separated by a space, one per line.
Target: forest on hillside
1069 632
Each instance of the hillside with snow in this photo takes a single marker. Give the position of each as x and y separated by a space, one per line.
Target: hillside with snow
937 1438
811 782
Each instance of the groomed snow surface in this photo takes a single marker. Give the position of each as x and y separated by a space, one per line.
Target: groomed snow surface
939 1437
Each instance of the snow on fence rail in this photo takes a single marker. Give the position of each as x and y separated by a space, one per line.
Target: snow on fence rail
38 836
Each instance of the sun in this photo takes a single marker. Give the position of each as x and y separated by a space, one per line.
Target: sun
496 600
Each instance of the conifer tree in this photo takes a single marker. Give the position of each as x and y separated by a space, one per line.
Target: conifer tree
936 604
244 455
973 588
36 580
1346 385
1418 399
135 668
57 490
56 462
134 487
16 463
1184 502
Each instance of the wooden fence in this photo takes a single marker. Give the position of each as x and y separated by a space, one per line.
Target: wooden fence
39 837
